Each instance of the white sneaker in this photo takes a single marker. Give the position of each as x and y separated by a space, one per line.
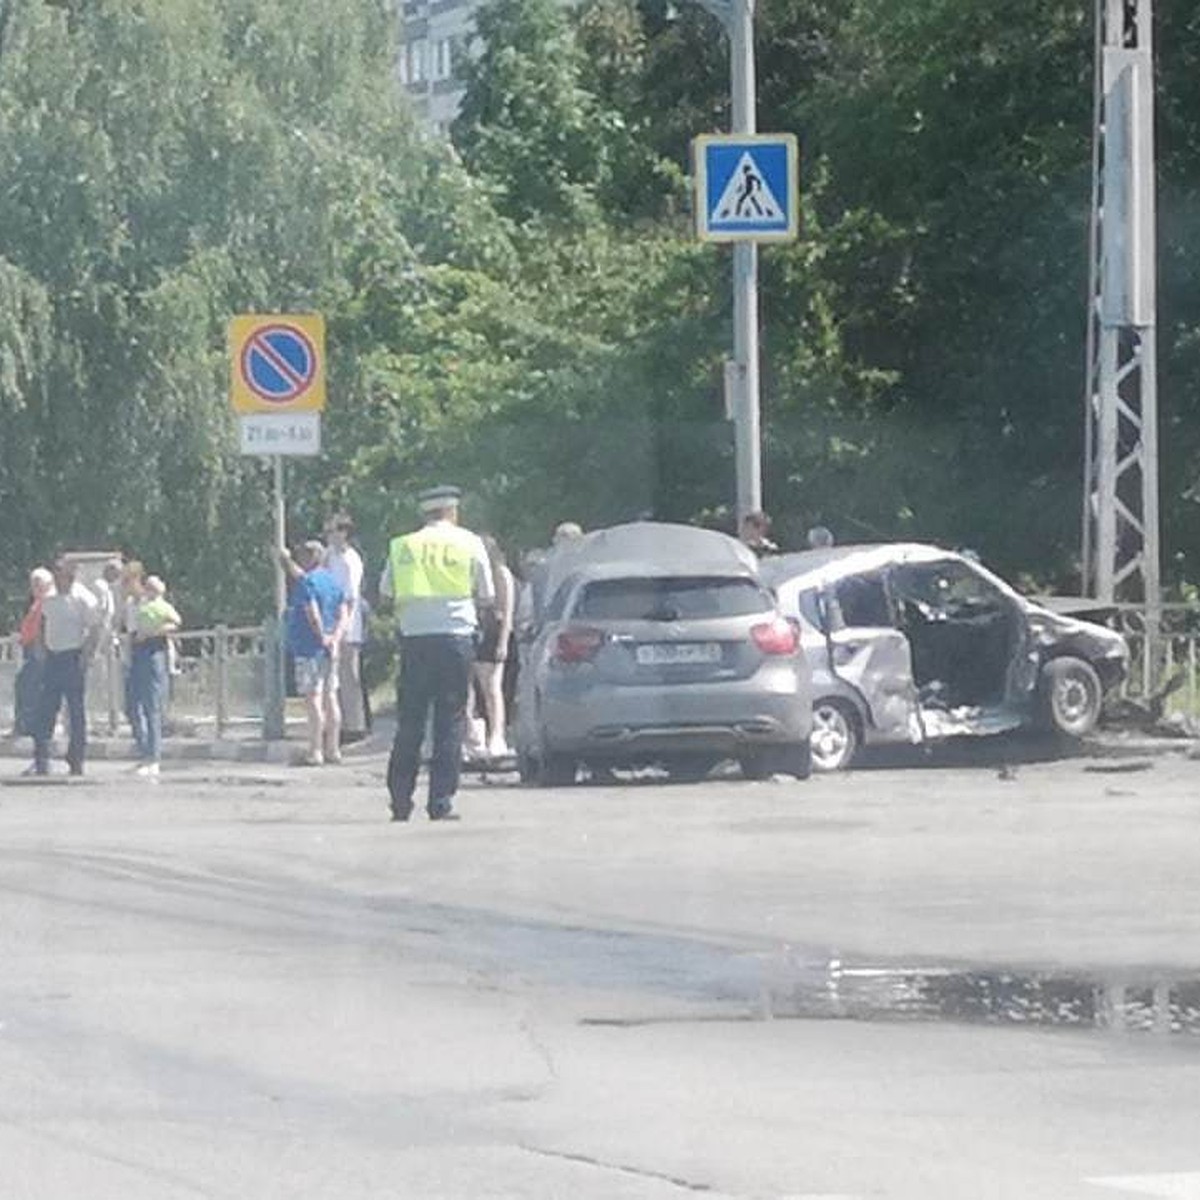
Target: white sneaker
148 770
499 750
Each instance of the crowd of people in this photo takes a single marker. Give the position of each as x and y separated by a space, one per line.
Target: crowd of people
459 606
460 609
126 613
755 532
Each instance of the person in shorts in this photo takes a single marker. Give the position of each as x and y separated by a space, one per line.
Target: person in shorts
487 671
317 616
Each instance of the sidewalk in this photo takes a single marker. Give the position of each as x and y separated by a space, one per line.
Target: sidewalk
239 743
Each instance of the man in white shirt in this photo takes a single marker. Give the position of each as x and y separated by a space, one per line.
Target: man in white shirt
345 564
71 622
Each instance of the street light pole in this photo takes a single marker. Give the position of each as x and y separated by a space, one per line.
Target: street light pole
737 16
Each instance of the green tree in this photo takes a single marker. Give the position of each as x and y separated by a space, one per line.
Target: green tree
167 166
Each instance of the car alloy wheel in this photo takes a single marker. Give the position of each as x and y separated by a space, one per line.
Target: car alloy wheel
834 737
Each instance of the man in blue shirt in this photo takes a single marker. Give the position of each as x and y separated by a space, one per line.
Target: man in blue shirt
317 615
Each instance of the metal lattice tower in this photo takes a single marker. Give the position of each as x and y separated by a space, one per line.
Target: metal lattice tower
1120 520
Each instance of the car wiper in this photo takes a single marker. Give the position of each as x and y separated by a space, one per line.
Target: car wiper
664 614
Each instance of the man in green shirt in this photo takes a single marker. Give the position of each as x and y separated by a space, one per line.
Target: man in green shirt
154 620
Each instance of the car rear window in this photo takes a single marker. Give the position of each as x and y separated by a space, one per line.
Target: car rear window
671 599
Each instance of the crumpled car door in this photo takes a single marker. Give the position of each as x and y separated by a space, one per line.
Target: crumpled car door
877 661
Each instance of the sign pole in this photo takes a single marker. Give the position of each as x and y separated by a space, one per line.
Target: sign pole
746 189
747 448
277 388
280 538
275 701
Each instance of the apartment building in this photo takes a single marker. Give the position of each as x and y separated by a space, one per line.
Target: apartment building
433 35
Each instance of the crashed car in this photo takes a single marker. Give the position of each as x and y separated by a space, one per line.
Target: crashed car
911 643
658 645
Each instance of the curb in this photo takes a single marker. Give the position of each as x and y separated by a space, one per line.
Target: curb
122 750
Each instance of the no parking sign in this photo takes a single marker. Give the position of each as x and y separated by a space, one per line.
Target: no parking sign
277 363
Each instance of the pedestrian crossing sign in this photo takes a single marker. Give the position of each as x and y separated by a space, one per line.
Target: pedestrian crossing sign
746 187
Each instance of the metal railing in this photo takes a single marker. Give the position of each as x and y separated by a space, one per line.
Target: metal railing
218 681
221 675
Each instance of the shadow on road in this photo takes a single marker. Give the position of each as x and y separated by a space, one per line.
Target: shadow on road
1005 751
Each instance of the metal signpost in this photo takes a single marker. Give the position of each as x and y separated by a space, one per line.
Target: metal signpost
732 206
277 388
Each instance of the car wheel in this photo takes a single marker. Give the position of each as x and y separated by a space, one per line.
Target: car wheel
800 761
1071 696
690 769
527 767
835 738
555 770
756 766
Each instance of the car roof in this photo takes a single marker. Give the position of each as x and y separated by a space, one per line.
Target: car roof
836 562
650 548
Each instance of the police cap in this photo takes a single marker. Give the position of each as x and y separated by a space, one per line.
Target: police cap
442 496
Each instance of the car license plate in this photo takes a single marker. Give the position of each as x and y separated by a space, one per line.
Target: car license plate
657 654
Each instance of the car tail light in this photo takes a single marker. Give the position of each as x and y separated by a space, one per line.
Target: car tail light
777 637
577 645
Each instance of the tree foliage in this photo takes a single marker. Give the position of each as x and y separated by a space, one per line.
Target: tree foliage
525 310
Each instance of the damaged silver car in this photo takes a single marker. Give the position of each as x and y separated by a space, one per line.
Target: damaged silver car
911 643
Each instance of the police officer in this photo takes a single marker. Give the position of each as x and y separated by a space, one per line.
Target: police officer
435 576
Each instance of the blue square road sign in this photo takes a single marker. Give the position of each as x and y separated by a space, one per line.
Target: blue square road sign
747 187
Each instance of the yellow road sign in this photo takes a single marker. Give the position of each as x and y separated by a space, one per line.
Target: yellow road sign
277 363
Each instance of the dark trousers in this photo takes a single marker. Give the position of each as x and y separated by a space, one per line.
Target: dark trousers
27 694
62 679
435 673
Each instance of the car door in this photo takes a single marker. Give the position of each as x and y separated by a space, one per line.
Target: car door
533 652
970 644
870 654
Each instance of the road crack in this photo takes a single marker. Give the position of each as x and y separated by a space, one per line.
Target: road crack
527 1027
620 1168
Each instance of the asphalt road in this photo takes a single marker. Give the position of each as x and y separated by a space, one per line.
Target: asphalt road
972 978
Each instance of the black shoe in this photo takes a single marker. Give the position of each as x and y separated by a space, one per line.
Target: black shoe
445 814
401 814
76 769
349 737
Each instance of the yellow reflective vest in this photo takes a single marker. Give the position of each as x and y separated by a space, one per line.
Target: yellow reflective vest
434 563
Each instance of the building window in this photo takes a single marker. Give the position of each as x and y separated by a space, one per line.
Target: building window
415 57
442 61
